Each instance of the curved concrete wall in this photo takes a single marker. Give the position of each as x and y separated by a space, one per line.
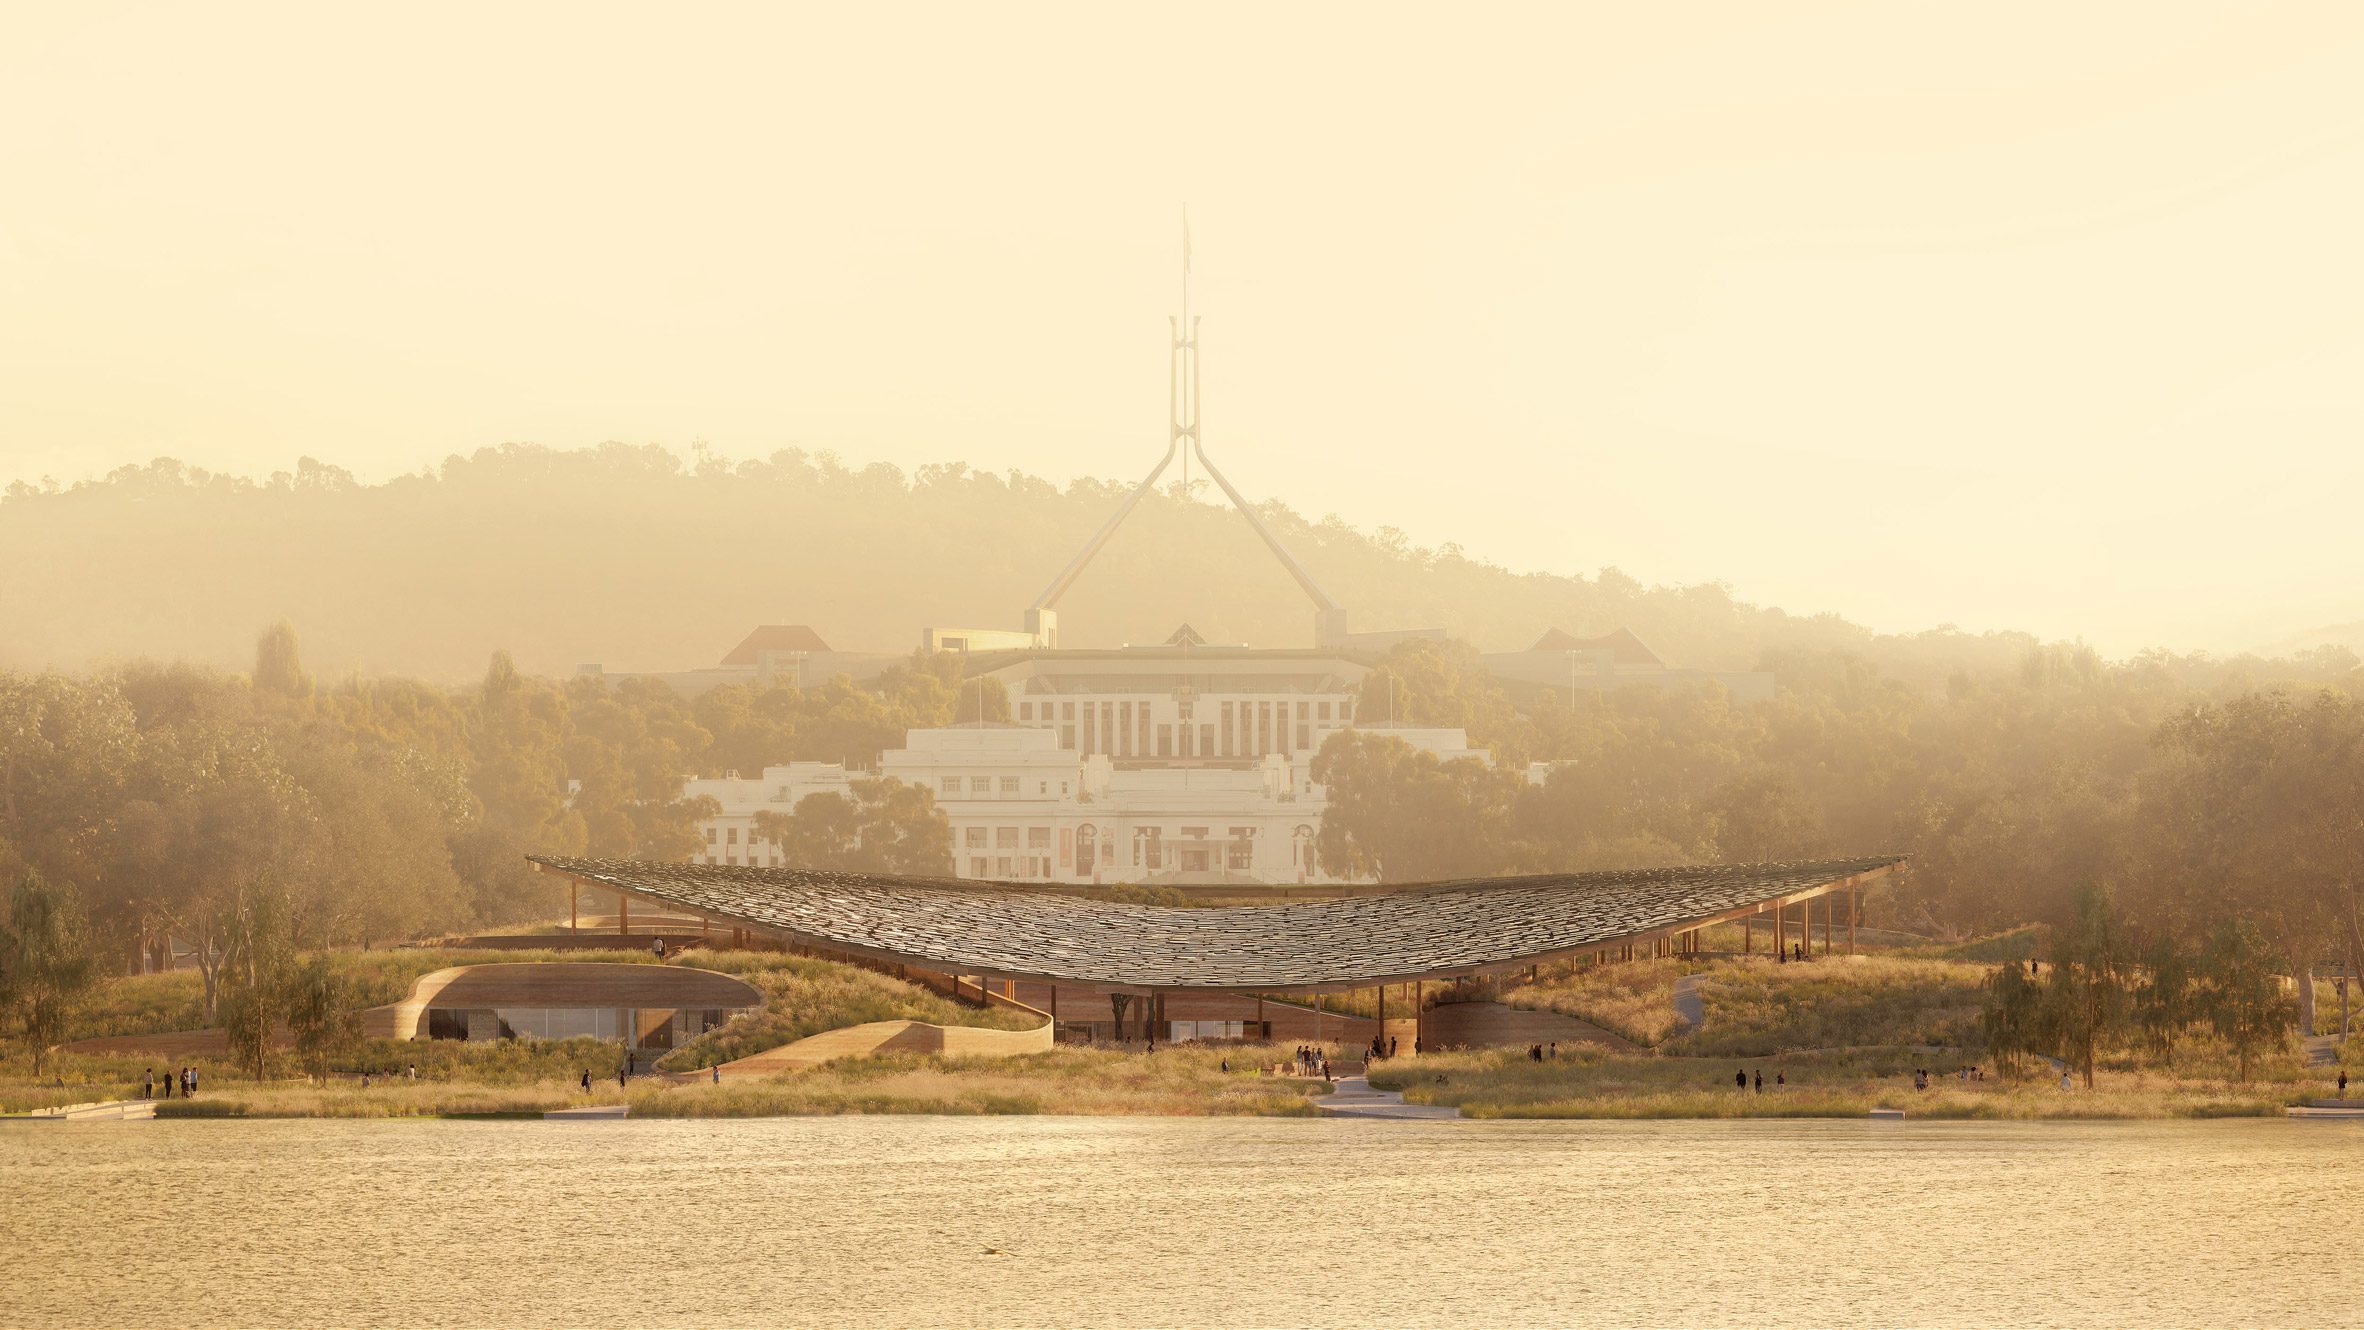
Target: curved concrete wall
557 984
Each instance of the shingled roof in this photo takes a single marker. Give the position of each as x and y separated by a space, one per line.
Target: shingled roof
1423 932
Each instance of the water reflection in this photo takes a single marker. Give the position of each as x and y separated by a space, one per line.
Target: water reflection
1147 1222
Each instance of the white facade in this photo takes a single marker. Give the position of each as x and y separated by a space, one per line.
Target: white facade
1024 808
730 835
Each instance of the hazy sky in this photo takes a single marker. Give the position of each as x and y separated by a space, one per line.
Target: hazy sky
2045 316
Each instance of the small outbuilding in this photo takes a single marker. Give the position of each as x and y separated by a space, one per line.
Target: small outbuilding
640 1006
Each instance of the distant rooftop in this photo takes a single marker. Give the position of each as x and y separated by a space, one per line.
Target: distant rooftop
775 637
1623 647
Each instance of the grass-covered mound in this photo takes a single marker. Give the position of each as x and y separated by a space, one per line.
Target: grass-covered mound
803 997
1755 1007
1632 999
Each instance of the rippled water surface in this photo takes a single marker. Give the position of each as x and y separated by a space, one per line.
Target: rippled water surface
900 1221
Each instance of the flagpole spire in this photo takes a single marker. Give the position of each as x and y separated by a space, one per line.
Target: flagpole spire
1187 337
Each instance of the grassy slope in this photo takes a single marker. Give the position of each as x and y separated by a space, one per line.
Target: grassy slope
804 997
1847 1034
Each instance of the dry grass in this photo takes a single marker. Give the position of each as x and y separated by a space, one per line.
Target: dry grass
1174 1082
1506 1084
804 997
1757 1007
1171 1082
1634 999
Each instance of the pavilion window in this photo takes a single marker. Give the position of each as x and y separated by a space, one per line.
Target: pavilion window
1009 787
1088 733
1001 866
730 836
1230 724
1124 729
974 838
1005 838
1143 723
1038 838
709 835
1322 710
1025 711
1165 741
977 867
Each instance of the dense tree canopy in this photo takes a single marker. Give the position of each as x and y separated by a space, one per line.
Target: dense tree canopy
387 808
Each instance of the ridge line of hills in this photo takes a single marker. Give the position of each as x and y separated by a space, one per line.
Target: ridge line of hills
632 556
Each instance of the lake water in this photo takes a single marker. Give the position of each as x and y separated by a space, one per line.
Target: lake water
907 1221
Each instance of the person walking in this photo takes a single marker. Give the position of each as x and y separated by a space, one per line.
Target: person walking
586 1080
2343 1084
1391 1045
659 947
1740 1080
718 1073
168 1082
1760 1080
147 1082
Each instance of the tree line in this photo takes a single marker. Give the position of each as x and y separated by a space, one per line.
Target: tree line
2192 790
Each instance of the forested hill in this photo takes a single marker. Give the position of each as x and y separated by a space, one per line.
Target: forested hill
631 557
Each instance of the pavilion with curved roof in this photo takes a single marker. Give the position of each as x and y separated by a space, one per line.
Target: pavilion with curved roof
1418 933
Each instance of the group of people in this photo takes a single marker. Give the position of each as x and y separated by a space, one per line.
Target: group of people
1383 1047
1542 1051
1312 1061
1741 1079
186 1076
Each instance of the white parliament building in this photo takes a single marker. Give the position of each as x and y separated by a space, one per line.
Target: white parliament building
1181 763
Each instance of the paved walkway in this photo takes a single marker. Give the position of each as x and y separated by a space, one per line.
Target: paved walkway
2322 1050
1354 1097
1690 1007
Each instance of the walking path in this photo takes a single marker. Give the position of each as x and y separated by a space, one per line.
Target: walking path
2322 1049
1690 1007
1355 1097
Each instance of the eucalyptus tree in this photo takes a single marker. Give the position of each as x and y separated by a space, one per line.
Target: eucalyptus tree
47 965
2242 991
2085 990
